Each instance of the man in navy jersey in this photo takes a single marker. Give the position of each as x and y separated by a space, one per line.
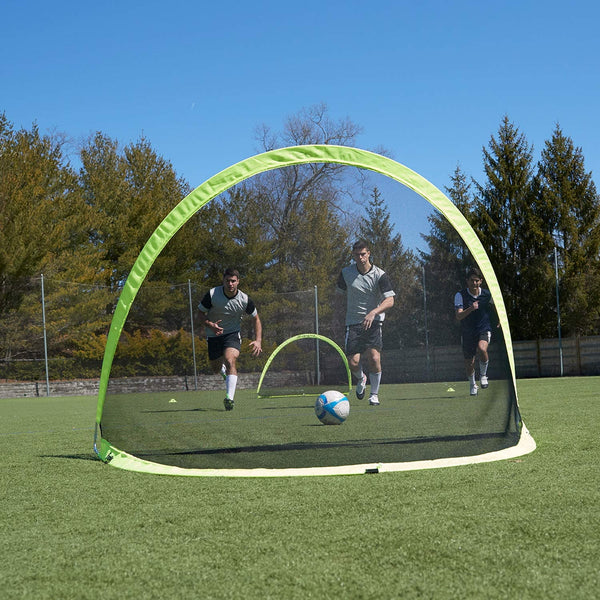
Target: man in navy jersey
472 307
222 309
369 294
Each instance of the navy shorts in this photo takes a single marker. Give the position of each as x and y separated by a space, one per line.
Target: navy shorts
218 343
471 341
359 339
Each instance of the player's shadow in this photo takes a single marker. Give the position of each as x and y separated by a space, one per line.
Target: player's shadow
287 407
174 410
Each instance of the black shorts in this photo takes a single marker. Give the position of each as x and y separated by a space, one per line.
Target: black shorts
359 339
218 343
470 341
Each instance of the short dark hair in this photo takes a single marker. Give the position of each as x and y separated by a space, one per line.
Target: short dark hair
231 273
474 271
360 244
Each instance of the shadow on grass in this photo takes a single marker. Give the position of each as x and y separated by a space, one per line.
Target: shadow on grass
292 447
91 456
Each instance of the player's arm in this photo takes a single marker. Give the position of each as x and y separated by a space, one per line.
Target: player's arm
340 285
214 325
386 304
204 312
459 310
463 313
256 345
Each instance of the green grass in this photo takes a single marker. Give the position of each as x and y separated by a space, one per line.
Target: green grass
73 527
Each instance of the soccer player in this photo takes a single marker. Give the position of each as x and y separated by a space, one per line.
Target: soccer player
222 309
472 308
369 294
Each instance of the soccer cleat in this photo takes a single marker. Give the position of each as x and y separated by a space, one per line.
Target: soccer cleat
474 389
484 381
361 386
223 372
374 400
228 403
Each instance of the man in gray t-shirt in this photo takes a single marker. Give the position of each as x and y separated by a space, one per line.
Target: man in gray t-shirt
369 294
221 310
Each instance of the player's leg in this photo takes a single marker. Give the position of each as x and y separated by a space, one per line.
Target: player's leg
353 353
232 345
230 360
373 341
483 357
469 346
373 360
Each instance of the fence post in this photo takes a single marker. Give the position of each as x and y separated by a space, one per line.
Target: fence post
45 339
426 328
318 364
560 350
193 341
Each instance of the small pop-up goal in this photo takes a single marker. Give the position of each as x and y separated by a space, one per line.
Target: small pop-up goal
424 421
302 366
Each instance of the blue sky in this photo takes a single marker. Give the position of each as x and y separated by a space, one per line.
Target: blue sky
429 81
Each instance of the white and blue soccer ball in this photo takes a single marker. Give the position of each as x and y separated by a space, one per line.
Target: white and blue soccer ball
332 408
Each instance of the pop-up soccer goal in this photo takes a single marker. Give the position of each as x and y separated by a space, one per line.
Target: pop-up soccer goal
424 423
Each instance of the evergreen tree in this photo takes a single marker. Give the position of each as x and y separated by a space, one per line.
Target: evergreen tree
446 263
504 214
572 223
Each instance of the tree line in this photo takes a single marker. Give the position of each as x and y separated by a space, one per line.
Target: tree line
287 231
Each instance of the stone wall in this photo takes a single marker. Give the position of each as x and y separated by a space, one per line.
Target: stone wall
89 387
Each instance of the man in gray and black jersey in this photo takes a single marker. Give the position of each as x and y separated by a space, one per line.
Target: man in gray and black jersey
369 294
221 310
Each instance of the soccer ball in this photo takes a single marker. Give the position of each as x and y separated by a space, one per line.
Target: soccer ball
332 408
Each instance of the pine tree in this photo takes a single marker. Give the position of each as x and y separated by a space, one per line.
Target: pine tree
572 219
446 263
503 216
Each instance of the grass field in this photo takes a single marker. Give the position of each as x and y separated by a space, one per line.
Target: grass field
73 527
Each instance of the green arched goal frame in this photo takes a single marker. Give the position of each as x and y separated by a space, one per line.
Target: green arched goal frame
237 173
304 336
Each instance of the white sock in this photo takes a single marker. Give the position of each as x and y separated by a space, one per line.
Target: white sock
375 380
230 385
472 378
358 375
483 368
